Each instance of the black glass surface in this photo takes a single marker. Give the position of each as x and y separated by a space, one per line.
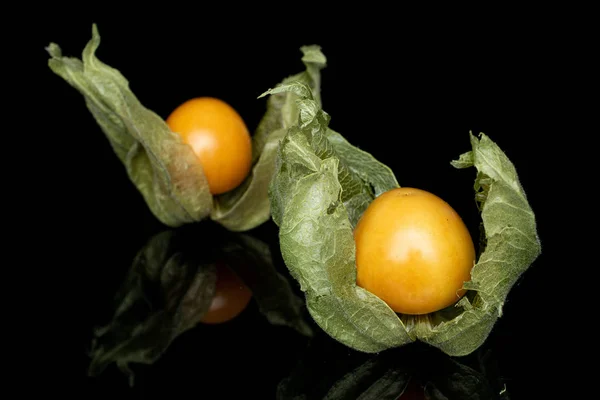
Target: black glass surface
408 100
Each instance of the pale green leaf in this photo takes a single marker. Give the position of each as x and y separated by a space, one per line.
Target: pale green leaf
282 111
363 164
248 205
512 246
326 266
316 237
313 124
162 167
465 160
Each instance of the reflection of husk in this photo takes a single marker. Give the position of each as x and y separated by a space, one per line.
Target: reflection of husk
170 287
328 370
163 295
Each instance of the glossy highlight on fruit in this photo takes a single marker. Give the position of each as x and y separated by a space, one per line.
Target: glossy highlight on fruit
413 251
231 297
219 137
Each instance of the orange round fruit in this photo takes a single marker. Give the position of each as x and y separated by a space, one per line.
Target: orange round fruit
413 251
219 137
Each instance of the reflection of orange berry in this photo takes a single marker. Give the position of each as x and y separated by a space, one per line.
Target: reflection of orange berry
231 297
413 391
413 251
220 139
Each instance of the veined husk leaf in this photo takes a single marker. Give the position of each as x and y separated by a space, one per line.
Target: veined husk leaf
321 187
163 168
248 205
311 192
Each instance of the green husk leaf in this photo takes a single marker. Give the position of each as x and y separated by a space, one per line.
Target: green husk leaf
165 294
379 176
512 245
321 187
361 185
248 205
311 191
465 160
162 167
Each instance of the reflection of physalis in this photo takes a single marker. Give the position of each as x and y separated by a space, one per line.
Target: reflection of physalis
231 296
164 165
329 370
173 285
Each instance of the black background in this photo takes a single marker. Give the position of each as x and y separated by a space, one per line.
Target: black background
408 95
